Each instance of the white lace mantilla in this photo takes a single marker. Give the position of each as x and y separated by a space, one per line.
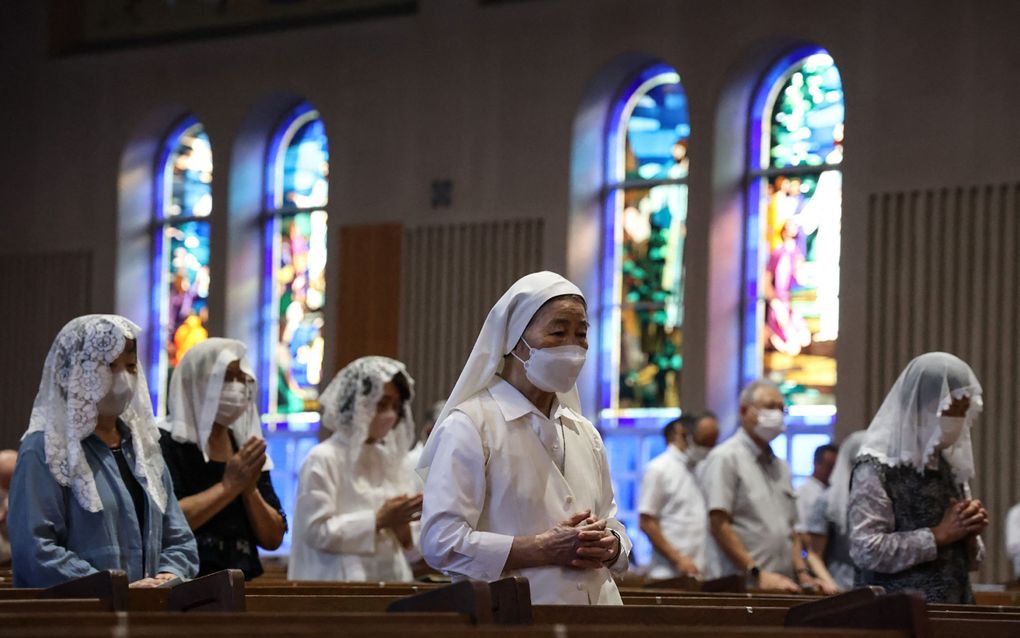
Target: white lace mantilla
76 375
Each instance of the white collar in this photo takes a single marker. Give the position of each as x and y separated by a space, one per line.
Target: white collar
513 405
752 446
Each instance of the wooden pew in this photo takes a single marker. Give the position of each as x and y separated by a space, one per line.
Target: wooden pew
222 591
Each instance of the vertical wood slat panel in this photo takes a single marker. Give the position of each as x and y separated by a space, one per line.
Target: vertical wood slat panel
452 274
48 290
942 276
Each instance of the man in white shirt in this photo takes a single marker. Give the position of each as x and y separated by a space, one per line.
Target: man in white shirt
813 487
516 479
1013 538
671 505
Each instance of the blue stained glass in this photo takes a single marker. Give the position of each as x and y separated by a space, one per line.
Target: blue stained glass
188 175
646 233
180 310
296 269
306 167
188 278
301 295
807 118
657 132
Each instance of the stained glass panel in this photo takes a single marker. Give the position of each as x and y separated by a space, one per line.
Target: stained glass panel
298 177
807 117
301 287
800 284
188 175
642 358
794 233
657 132
651 303
180 311
187 278
306 167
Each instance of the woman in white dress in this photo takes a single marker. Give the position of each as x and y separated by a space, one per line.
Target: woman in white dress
357 499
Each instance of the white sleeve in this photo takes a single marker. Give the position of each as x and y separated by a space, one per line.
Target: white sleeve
607 508
455 491
651 497
328 529
806 497
1013 532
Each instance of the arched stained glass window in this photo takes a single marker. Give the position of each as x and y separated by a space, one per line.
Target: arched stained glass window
294 285
180 291
793 244
642 310
641 314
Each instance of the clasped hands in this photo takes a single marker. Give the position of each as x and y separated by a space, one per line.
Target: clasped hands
581 542
962 519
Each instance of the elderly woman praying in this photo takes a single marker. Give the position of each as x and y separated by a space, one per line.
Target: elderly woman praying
913 524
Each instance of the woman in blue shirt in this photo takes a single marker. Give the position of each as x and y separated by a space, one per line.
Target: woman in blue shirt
90 491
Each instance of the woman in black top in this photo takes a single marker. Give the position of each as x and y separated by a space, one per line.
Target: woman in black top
213 446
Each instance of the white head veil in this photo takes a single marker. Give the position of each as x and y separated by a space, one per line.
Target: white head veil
906 429
350 401
838 494
76 375
500 333
195 395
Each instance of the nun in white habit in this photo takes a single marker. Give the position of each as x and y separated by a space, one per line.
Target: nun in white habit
516 479
358 502
913 524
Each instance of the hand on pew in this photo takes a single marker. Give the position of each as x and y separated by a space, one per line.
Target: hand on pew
156 581
771 581
686 566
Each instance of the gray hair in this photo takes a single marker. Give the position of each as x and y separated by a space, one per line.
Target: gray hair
747 394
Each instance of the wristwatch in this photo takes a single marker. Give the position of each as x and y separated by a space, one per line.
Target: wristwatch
752 576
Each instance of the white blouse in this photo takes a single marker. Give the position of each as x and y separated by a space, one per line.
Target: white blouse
334 519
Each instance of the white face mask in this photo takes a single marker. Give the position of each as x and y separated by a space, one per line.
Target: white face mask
381 424
697 453
122 390
553 369
771 423
952 428
234 401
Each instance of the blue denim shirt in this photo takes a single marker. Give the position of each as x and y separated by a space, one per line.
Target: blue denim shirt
53 539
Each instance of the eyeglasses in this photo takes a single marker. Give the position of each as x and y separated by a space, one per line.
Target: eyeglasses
773 406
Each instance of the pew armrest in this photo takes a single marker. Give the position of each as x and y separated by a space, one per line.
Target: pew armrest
470 597
899 611
800 615
220 591
110 587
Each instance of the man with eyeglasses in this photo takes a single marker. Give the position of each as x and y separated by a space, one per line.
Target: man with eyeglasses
751 502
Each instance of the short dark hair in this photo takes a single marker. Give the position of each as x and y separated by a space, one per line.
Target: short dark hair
403 387
686 421
822 449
